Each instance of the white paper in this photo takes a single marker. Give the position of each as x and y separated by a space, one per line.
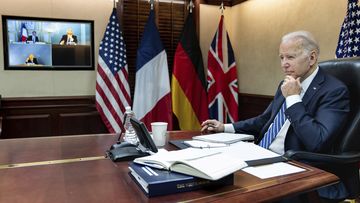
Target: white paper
246 151
203 144
273 170
226 138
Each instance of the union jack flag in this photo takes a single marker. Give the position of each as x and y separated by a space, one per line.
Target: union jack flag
222 78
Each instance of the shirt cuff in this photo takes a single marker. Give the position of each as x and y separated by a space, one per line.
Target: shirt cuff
293 99
229 128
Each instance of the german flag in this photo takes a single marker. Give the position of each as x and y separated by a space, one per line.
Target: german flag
189 98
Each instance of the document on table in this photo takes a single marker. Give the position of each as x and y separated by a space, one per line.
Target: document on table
203 144
225 138
249 151
272 170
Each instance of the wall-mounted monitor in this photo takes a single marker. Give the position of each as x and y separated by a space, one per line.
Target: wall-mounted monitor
47 44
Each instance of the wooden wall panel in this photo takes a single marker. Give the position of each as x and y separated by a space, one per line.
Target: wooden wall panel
33 125
53 116
251 105
80 123
49 116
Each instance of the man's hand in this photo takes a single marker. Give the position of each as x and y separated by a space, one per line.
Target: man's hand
291 86
212 126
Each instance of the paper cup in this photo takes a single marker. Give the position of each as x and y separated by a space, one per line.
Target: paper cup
159 133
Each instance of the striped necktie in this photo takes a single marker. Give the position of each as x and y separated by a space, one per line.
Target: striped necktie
274 128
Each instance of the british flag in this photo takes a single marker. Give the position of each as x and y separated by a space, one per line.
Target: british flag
222 78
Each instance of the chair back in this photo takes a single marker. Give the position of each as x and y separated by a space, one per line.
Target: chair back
347 70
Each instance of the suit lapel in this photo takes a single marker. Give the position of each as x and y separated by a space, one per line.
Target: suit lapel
315 85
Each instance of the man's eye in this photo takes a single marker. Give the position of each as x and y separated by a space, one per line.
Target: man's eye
291 57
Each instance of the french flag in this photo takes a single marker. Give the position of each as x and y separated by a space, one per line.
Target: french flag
152 98
24 33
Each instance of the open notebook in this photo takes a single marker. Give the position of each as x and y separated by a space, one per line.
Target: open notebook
207 164
211 163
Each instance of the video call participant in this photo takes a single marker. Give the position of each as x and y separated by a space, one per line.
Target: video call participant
31 60
69 38
33 38
316 106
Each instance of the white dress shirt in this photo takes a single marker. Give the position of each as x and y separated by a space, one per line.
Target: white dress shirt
277 145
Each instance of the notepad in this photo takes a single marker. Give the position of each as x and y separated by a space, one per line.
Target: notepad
226 138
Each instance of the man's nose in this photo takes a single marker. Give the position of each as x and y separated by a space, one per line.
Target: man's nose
284 63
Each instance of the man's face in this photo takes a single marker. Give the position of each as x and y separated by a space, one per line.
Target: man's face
69 32
295 61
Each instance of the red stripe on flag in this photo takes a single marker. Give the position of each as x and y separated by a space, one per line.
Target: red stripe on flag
111 109
122 87
112 89
104 118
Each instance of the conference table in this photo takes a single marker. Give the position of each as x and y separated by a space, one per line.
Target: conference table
74 169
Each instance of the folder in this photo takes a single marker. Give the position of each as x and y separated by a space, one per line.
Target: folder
156 182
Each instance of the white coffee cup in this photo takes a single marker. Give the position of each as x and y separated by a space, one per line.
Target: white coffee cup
159 133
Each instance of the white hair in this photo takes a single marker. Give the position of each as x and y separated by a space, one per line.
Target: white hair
308 41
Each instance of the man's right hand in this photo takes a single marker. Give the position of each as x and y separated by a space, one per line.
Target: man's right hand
212 126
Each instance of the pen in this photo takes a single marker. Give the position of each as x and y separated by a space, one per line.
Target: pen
264 161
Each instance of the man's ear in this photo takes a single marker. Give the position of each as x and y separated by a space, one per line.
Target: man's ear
313 57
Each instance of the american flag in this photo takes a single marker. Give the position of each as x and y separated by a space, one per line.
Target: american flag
112 87
222 78
349 39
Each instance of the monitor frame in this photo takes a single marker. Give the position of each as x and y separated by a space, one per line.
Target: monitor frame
89 47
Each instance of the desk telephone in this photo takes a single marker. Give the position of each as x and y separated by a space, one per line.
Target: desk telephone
124 151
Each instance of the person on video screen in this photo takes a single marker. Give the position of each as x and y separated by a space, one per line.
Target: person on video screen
33 38
69 38
31 60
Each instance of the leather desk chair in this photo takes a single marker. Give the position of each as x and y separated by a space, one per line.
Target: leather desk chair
345 158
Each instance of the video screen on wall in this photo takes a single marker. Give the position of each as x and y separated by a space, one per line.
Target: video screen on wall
47 44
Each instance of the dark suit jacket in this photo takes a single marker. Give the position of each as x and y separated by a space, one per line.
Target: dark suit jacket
30 38
64 38
314 121
34 61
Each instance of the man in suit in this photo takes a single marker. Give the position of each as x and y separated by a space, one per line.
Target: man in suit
69 38
33 38
316 106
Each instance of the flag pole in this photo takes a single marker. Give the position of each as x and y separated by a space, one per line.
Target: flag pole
114 3
191 6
